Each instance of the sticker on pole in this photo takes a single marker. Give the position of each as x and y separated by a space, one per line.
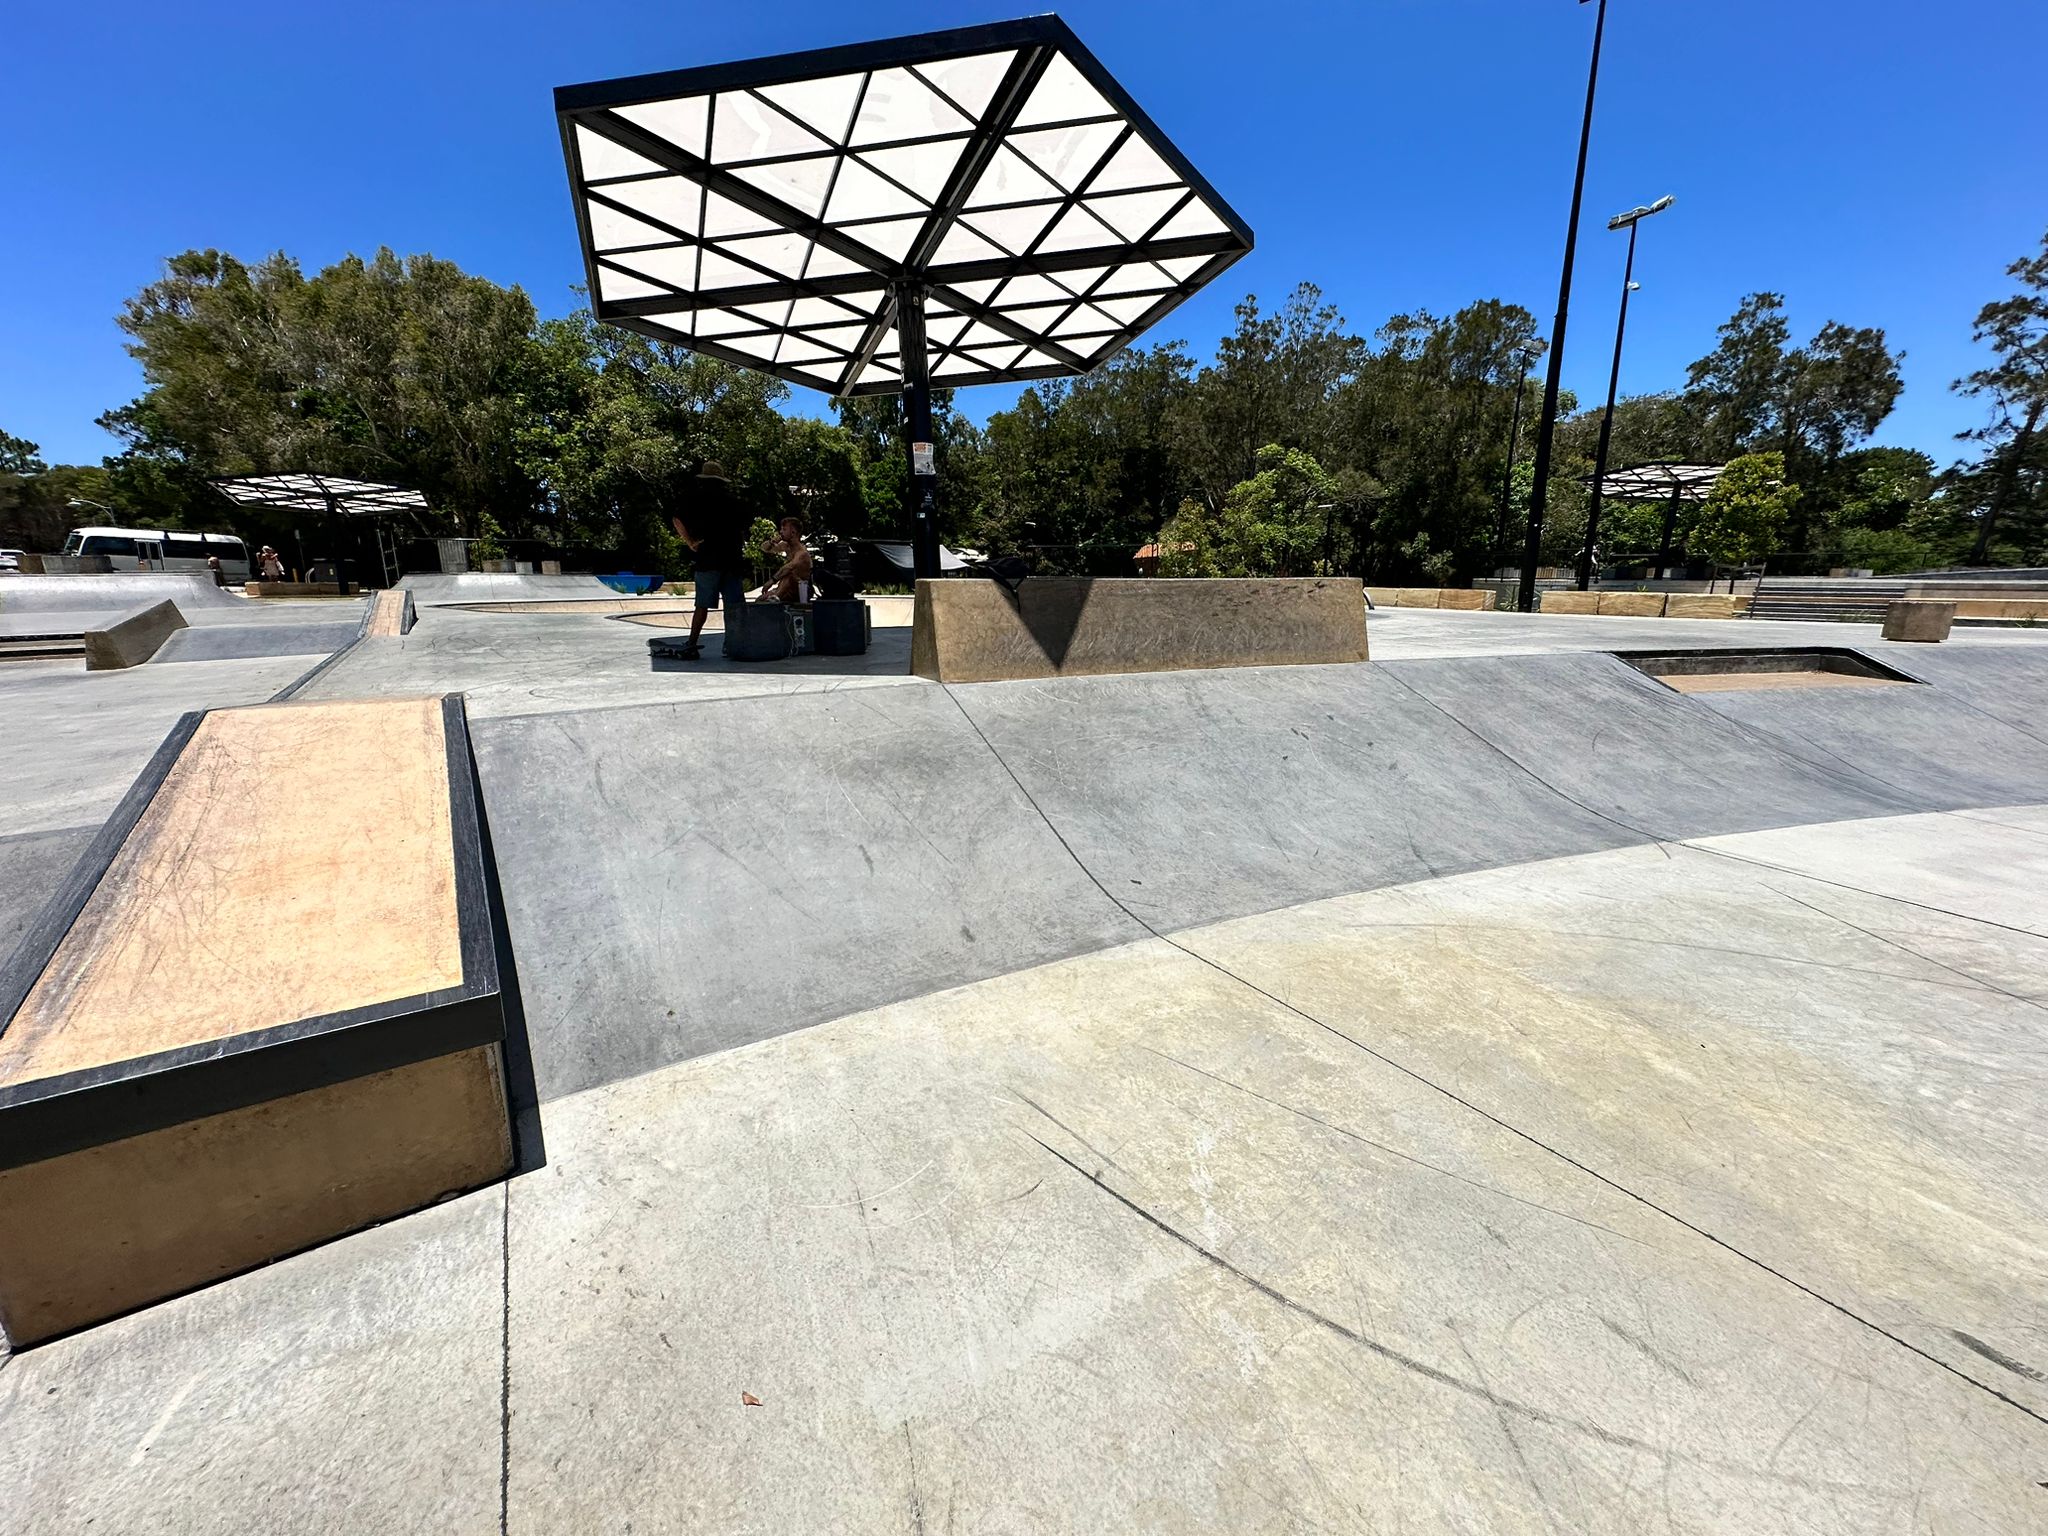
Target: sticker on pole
921 459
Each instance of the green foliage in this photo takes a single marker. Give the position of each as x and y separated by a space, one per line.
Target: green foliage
19 456
1744 516
2006 491
1280 522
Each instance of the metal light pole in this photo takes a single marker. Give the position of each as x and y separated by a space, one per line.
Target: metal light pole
1507 477
1630 221
917 414
1547 424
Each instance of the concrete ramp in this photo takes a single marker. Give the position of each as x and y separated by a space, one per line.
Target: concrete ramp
434 591
123 591
220 642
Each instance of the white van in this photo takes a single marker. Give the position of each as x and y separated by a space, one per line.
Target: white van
156 549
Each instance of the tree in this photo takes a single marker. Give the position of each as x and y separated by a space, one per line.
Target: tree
1808 403
1279 522
2013 475
19 456
389 369
1744 516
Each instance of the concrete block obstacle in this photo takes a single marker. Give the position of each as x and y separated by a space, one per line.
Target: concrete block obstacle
1470 599
230 1037
1702 605
969 630
1906 619
133 638
1569 601
1632 605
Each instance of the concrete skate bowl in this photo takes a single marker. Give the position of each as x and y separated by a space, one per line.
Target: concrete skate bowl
49 615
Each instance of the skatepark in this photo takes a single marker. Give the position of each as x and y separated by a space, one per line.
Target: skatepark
1482 1087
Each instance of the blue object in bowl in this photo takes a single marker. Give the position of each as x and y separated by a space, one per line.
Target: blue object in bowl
631 585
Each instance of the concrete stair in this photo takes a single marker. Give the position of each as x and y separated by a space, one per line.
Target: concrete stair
1820 601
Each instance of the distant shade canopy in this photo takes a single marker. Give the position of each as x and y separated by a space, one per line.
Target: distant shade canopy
320 493
775 213
1660 482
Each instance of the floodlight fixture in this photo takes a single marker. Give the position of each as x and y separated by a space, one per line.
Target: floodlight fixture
1640 212
982 205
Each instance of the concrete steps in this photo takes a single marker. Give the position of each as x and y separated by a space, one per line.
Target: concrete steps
1836 600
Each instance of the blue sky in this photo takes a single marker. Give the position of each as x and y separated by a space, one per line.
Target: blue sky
1878 163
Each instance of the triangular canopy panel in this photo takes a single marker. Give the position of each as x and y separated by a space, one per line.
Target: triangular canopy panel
781 212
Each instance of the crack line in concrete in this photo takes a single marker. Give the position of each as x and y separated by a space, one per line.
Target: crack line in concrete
1456 1098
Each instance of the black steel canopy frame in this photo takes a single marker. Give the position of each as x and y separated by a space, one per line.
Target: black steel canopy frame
979 205
334 496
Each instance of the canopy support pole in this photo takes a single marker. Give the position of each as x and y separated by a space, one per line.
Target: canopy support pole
917 420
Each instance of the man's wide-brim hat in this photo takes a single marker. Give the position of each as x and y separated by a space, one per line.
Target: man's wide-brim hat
711 469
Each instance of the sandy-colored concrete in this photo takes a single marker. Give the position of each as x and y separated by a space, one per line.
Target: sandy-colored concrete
1062 626
220 915
91 1234
1703 605
1631 605
1570 602
1733 682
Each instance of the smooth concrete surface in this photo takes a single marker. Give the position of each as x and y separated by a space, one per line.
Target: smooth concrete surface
227 642
1077 626
434 589
122 592
1400 634
536 663
76 740
131 639
33 864
684 878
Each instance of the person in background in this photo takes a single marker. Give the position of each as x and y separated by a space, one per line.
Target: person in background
792 583
713 531
220 577
273 566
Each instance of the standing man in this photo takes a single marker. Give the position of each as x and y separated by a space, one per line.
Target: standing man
715 536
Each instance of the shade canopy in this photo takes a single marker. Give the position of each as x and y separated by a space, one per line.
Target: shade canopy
321 493
1660 482
777 213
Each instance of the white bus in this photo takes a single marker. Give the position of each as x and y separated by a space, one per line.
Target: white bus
157 549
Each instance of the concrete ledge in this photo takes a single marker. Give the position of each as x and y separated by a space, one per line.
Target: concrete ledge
1570 602
2000 608
969 630
132 639
1929 622
1468 598
1632 605
1702 605
297 589
391 614
161 1127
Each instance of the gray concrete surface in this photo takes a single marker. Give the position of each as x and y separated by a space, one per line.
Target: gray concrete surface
228 642
434 589
76 739
119 591
533 663
32 865
1557 1105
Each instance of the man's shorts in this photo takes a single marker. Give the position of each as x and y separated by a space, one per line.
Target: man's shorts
711 584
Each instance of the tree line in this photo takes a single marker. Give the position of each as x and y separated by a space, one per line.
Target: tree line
1300 447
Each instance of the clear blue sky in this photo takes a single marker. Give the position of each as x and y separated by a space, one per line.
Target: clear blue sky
1878 162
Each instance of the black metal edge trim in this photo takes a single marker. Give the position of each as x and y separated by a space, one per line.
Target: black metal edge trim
102 1104
522 1091
472 898
777 69
291 689
26 965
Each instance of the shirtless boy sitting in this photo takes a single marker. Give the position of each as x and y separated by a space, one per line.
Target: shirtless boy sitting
792 583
